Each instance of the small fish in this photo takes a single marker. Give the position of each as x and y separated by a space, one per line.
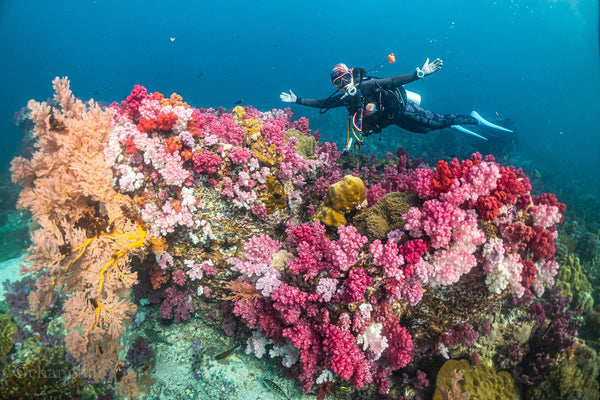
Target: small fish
273 387
201 74
345 388
240 101
172 39
226 353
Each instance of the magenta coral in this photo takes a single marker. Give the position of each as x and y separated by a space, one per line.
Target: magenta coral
345 357
258 252
355 285
206 162
134 101
374 193
239 156
317 253
178 277
302 125
177 305
306 339
228 131
398 353
387 257
273 131
291 301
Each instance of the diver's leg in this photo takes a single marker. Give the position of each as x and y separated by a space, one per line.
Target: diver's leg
417 119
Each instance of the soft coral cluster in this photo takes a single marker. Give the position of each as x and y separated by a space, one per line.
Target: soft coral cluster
298 311
500 196
164 146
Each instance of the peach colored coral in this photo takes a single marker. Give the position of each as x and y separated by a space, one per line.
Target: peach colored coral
82 240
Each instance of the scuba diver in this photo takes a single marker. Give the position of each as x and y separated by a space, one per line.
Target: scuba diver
374 104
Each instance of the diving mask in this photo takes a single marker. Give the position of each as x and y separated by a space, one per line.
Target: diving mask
341 78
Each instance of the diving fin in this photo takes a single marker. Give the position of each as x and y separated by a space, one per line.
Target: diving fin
482 121
465 130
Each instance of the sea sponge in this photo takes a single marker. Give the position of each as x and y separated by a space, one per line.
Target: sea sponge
305 146
386 215
480 382
341 197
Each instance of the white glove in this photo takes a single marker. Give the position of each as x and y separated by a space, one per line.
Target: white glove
288 97
429 68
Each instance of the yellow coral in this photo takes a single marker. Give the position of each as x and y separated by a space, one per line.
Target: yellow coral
252 127
479 381
159 244
238 114
341 197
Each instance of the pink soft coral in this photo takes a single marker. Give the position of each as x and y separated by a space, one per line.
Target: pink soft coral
436 219
317 253
345 357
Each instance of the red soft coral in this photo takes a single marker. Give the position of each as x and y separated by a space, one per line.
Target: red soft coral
488 207
147 125
549 199
511 184
528 273
165 122
542 243
443 179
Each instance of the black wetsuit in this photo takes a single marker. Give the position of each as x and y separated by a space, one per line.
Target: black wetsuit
392 107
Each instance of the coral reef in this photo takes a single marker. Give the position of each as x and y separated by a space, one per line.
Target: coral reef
356 280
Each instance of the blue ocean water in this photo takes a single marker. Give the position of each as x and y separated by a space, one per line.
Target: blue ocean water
535 62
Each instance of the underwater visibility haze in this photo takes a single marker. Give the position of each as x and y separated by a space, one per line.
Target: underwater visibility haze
169 228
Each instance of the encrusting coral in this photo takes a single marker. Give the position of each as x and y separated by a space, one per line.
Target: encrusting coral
480 382
341 197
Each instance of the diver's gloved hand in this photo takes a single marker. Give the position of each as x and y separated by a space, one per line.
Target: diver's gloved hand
288 97
429 68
